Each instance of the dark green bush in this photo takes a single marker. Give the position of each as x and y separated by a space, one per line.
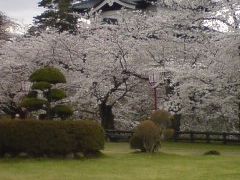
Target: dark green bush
56 94
147 137
62 111
41 85
212 152
33 104
51 138
48 74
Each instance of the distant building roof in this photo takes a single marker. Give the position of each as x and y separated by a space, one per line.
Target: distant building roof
95 5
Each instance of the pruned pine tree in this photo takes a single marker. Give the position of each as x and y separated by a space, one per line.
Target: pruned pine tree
44 96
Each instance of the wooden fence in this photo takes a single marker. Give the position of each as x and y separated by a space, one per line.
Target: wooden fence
207 137
189 136
117 135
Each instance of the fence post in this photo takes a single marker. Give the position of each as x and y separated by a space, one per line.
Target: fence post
175 137
208 137
192 137
224 138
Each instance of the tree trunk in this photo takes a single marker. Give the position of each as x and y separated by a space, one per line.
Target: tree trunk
239 117
23 114
176 122
107 117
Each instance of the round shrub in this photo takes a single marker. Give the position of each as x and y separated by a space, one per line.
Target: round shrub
56 94
136 142
48 74
162 118
62 111
147 137
168 133
212 152
41 85
33 104
51 138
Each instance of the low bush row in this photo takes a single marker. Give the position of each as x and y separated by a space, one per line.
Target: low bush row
51 138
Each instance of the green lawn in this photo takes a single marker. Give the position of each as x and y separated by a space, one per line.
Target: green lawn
176 161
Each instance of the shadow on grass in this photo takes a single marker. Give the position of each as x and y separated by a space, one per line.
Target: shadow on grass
87 156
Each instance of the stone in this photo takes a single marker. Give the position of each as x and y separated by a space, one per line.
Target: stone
78 155
23 155
69 156
7 155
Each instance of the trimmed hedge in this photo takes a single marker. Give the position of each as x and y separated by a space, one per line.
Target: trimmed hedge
51 138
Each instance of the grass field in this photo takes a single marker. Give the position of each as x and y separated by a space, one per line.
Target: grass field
176 161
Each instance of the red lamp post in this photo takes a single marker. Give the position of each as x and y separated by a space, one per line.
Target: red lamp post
154 80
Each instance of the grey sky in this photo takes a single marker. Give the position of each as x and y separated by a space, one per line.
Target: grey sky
21 10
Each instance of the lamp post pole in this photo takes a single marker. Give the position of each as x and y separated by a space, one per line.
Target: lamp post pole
155 98
154 81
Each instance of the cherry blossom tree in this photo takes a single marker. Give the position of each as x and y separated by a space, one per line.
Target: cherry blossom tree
190 52
106 65
98 75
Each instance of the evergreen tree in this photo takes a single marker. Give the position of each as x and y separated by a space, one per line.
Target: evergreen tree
44 97
59 15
